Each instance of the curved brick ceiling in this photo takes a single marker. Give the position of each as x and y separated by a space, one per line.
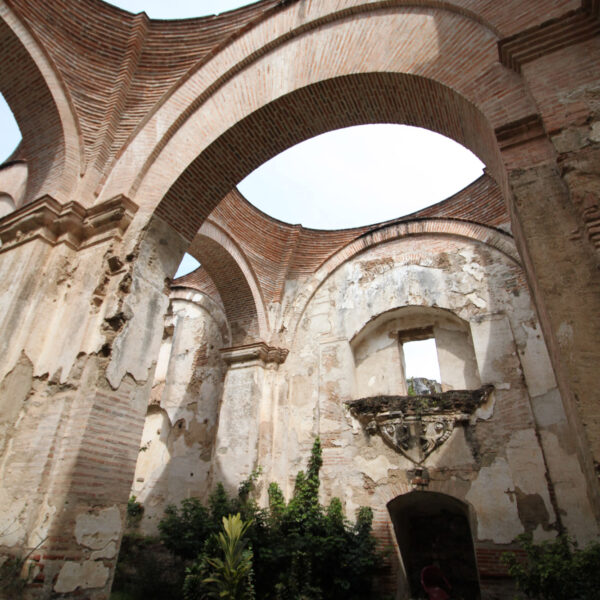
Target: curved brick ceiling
129 75
278 251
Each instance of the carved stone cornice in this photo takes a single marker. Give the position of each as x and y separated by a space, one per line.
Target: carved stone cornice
572 28
258 352
416 425
69 223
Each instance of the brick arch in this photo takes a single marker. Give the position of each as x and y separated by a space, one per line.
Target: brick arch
35 94
495 238
235 281
223 131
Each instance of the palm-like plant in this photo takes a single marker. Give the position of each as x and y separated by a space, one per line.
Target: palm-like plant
231 577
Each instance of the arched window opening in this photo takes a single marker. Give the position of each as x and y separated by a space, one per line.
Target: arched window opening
434 533
360 175
386 360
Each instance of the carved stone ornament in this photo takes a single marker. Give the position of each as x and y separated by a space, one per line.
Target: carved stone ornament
258 352
416 425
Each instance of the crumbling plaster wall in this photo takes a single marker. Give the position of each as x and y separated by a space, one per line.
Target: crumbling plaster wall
498 463
177 444
81 320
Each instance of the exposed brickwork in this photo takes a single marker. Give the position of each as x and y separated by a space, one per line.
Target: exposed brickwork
129 76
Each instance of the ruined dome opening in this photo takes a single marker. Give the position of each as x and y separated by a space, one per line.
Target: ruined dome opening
183 9
360 175
11 134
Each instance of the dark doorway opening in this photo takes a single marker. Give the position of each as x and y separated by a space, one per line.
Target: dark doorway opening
433 529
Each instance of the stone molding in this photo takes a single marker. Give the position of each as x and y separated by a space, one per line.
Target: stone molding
71 224
574 27
415 426
254 353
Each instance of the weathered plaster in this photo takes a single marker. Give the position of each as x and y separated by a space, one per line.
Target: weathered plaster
492 497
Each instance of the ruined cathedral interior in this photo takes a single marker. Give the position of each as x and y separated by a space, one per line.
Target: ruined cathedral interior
136 133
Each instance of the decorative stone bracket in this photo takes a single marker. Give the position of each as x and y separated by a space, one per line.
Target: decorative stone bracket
70 224
259 352
416 425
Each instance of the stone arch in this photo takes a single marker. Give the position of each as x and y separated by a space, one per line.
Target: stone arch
252 114
43 111
200 299
13 184
495 238
375 360
236 283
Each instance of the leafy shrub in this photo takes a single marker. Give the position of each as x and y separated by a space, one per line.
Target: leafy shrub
301 549
556 570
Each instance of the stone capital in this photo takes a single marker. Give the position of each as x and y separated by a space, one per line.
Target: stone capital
69 223
258 353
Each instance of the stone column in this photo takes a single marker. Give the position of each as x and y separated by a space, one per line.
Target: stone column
81 323
244 435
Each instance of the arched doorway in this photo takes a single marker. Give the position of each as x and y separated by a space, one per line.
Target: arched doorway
434 529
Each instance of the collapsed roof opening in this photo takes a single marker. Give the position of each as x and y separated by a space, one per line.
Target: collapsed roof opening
183 9
360 175
11 134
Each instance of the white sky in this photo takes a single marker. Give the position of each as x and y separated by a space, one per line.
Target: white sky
420 360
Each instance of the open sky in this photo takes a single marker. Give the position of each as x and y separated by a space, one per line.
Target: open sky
345 178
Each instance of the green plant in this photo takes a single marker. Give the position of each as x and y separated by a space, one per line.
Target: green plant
556 570
135 511
301 550
231 576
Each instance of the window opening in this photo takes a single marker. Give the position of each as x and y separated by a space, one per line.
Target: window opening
420 361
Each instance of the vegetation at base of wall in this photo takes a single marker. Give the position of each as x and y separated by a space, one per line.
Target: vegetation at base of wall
146 570
300 550
556 570
135 512
12 581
